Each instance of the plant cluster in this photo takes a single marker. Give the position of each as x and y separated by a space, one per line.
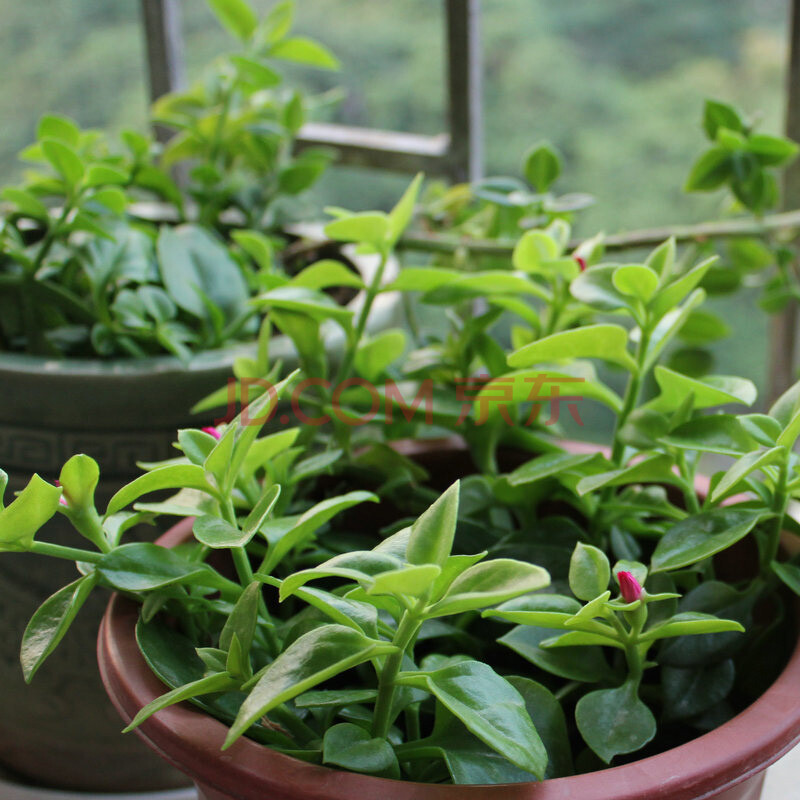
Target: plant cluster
554 610
83 273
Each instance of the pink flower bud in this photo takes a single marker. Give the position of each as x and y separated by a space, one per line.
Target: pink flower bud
213 432
629 587
581 262
62 501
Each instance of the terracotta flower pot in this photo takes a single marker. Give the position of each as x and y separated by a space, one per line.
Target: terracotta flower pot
61 731
727 764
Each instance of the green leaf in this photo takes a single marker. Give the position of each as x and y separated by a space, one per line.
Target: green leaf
542 166
718 115
243 619
702 327
711 390
257 246
718 433
431 538
21 519
789 575
112 198
326 273
378 352
651 469
26 202
423 279
210 684
235 15
195 265
255 72
533 249
55 126
674 293
315 657
342 610
579 663
144 566
413 580
607 342
751 462
218 533
690 622
64 160
669 325
635 280
589 572
595 287
351 747
662 259
51 621
773 151
710 171
690 692
368 227
103 175
78 479
310 302
489 706
546 466
538 610
487 584
305 51
703 535
483 284
175 476
615 721
261 510
400 216
308 523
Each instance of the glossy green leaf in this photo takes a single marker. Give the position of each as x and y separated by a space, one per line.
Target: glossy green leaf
690 692
21 519
144 567
677 290
369 227
718 115
703 535
615 721
310 302
538 610
669 325
50 623
489 583
489 706
176 476
789 575
595 287
411 580
217 533
423 279
431 538
607 342
315 657
400 216
710 171
351 747
533 249
243 619
56 126
484 284
379 351
772 150
662 259
589 572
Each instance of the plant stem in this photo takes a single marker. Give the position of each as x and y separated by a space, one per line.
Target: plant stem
363 317
68 553
632 391
406 632
780 503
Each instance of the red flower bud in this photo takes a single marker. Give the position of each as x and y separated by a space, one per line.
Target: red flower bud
213 432
629 587
581 262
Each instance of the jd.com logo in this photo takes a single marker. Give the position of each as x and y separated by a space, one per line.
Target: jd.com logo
479 396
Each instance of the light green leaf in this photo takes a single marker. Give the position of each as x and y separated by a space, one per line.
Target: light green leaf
607 342
368 227
589 572
412 580
176 476
21 519
548 465
534 248
64 160
400 216
635 280
542 166
651 469
78 479
349 746
326 273
431 538
690 622
305 51
235 15
747 464
709 391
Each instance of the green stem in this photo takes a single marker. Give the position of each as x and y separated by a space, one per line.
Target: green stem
689 494
68 553
632 391
88 523
372 292
406 632
779 505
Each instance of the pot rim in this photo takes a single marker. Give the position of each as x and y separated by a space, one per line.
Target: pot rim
191 740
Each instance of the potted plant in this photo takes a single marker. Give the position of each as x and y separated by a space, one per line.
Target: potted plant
115 323
422 638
